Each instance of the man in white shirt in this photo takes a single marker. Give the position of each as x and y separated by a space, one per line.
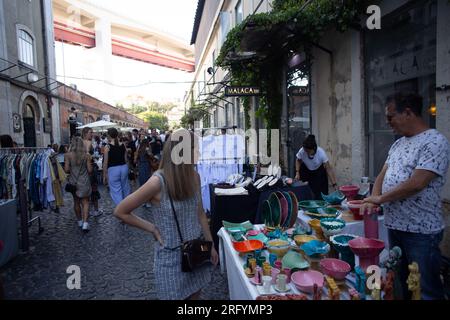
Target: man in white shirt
408 187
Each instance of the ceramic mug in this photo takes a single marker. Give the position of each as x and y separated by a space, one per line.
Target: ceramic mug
287 272
252 264
277 264
267 281
272 258
260 260
281 282
275 273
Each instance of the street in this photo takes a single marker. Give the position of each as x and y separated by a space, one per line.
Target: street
116 261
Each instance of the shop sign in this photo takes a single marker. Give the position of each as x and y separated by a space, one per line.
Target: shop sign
47 125
234 91
17 122
299 91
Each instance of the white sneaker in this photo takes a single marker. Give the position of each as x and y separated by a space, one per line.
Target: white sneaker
80 223
85 226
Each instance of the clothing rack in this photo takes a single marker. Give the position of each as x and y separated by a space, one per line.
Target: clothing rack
26 213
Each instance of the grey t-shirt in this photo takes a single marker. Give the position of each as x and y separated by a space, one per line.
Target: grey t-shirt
421 213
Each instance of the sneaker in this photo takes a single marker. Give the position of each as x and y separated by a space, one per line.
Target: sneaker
85 227
80 223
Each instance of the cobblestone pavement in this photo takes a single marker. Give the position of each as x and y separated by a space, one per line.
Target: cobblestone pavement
116 260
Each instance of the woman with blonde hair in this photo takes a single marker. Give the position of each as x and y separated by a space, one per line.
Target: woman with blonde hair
78 163
175 182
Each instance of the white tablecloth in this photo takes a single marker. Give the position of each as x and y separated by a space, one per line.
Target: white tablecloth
239 285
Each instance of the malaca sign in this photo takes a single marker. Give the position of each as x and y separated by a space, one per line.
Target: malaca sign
234 91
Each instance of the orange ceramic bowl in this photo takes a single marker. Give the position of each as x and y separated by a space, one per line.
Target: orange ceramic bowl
247 246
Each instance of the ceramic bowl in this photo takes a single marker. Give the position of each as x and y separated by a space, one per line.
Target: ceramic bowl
368 251
278 247
354 206
335 268
364 247
334 198
312 205
340 243
305 280
247 246
350 191
332 226
315 248
294 260
302 239
328 212
247 225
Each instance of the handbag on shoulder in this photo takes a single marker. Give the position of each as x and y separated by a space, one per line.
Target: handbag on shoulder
194 253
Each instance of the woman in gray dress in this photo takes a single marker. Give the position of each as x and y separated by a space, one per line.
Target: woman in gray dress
78 163
181 181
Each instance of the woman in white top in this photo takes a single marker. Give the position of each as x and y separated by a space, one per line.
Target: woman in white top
312 165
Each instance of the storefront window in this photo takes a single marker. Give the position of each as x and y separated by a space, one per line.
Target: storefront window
401 57
299 114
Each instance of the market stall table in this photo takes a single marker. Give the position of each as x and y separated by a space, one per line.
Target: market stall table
239 208
239 285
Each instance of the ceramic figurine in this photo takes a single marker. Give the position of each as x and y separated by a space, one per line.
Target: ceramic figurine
317 292
333 291
354 295
388 286
414 281
376 292
361 282
393 264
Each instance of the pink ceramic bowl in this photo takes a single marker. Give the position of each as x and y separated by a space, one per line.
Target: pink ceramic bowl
354 206
350 191
305 280
335 268
253 232
364 247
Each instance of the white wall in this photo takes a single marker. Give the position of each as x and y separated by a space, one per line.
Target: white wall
443 77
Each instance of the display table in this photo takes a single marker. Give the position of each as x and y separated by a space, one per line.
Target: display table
239 208
239 285
8 231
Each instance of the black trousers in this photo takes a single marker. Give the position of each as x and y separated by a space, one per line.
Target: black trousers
317 179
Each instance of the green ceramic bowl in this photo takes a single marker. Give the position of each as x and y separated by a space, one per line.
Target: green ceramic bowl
313 206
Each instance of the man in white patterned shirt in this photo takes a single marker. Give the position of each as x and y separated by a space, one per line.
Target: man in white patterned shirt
409 188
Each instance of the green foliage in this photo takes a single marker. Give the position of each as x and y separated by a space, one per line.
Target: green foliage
155 120
153 106
195 113
307 26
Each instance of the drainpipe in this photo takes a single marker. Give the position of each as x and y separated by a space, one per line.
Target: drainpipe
46 67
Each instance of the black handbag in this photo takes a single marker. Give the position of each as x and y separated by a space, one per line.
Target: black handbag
194 253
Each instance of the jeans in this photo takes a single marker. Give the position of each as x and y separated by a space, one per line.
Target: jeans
423 249
119 187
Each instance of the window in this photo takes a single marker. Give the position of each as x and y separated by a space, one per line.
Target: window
401 58
26 47
224 25
239 14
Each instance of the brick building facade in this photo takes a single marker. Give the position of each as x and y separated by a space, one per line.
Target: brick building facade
90 109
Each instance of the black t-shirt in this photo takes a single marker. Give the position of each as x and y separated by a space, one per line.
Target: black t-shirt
116 155
156 145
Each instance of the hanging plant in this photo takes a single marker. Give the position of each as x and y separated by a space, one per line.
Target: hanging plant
303 27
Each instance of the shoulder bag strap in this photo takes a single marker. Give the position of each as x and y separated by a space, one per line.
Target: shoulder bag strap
173 210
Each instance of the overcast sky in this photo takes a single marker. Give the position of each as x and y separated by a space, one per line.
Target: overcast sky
175 17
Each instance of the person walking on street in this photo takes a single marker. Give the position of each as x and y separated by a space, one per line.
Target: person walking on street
180 184
142 161
115 168
312 165
408 187
87 136
77 163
